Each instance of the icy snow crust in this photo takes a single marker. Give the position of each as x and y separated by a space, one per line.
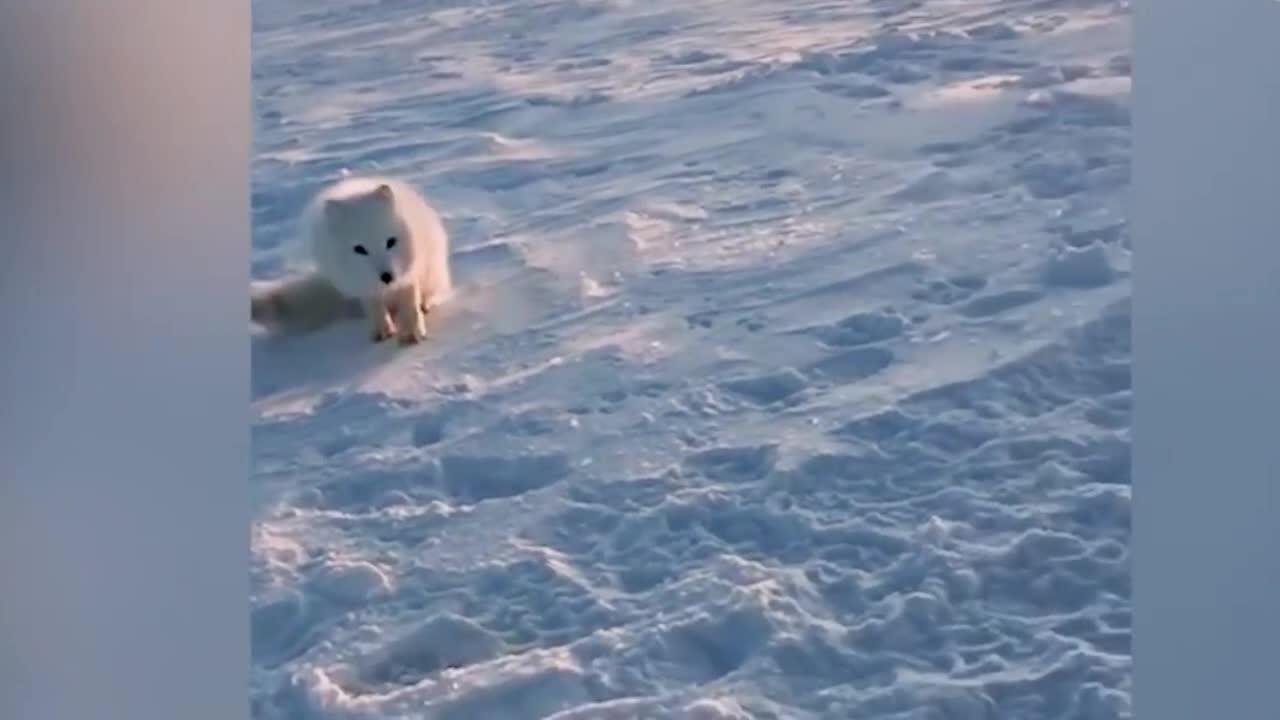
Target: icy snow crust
788 373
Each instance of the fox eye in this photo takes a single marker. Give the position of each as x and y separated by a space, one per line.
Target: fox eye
391 242
360 250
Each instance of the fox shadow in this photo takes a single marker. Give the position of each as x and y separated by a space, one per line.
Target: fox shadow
343 353
339 354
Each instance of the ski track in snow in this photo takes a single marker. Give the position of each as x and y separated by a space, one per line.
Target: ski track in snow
789 373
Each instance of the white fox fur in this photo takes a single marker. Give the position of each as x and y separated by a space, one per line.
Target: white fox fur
379 249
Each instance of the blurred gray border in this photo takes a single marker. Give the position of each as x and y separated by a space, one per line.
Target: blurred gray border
124 526
1207 358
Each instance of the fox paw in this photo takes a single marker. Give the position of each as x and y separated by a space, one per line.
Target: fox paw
413 334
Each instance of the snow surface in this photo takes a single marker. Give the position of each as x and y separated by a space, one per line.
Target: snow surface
788 375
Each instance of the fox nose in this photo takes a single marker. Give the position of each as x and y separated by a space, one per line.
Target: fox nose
386 278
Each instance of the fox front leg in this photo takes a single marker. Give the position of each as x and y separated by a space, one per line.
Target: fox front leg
380 326
410 318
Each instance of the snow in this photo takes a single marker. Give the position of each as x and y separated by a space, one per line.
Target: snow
788 373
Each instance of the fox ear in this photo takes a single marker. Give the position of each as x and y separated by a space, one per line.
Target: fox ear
332 208
383 192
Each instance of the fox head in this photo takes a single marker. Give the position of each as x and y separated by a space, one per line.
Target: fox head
379 240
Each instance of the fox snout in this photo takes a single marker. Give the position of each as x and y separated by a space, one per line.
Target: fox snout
386 278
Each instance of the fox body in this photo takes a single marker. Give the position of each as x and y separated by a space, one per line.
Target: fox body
380 250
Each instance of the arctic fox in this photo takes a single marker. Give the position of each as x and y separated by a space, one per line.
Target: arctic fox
380 250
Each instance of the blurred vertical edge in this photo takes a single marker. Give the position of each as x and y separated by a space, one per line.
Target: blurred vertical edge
125 139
